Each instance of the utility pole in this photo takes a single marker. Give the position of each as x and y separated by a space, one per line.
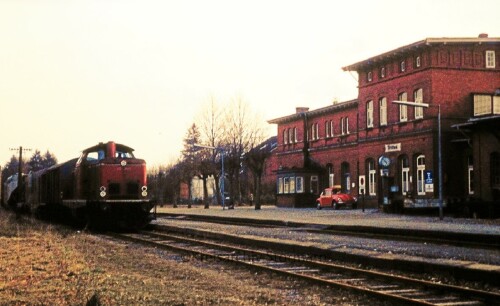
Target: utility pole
20 168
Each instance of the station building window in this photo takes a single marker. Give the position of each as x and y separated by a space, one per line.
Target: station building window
402 66
344 125
405 174
369 76
299 184
418 97
403 109
369 114
295 134
418 62
372 172
286 185
382 72
383 111
285 136
290 136
332 128
470 174
490 59
420 175
290 184
327 129
331 175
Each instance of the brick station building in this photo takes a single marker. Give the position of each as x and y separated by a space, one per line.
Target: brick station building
387 153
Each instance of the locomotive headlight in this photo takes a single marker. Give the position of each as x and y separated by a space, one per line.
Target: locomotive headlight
103 192
144 191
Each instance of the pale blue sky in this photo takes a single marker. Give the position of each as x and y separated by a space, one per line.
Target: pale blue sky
74 73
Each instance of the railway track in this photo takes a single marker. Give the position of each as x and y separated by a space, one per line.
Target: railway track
385 286
440 238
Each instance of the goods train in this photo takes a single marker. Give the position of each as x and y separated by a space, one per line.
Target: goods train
106 186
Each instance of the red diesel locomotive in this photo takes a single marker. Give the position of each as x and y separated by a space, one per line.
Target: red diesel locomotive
106 186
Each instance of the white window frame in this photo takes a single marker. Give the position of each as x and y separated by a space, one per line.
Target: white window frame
369 76
470 179
285 136
482 105
347 125
372 172
421 175
418 62
342 123
418 96
327 129
295 134
316 126
369 114
280 185
405 175
382 72
403 109
383 111
490 59
290 135
299 184
402 66
292 185
286 185
332 128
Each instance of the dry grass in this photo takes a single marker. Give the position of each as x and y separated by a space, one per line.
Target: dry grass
45 265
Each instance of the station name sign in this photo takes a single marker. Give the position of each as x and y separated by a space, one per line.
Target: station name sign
393 147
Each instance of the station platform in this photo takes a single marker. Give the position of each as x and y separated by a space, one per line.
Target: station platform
346 217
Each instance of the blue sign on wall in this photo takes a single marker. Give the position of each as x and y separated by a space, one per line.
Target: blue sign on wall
428 176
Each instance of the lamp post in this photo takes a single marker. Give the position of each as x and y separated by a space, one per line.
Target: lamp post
440 161
221 149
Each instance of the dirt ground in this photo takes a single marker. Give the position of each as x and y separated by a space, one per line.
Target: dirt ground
42 264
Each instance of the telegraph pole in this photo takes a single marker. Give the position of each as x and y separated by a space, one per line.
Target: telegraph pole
20 168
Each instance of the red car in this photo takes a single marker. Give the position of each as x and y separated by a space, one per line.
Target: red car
334 198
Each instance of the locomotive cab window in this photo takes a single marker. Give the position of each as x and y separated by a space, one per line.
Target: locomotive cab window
94 156
123 154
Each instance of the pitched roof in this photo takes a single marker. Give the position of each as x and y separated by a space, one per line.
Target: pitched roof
315 112
428 42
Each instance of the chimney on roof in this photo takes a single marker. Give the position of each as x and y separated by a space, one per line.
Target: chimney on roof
299 110
483 35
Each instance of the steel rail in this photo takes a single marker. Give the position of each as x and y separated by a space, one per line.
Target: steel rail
383 285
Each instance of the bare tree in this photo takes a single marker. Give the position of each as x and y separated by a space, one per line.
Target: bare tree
243 131
210 121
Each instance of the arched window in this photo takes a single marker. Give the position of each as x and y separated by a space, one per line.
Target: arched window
470 174
285 136
295 135
290 135
405 174
370 166
383 111
420 175
332 128
346 177
327 129
403 109
369 114
418 97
